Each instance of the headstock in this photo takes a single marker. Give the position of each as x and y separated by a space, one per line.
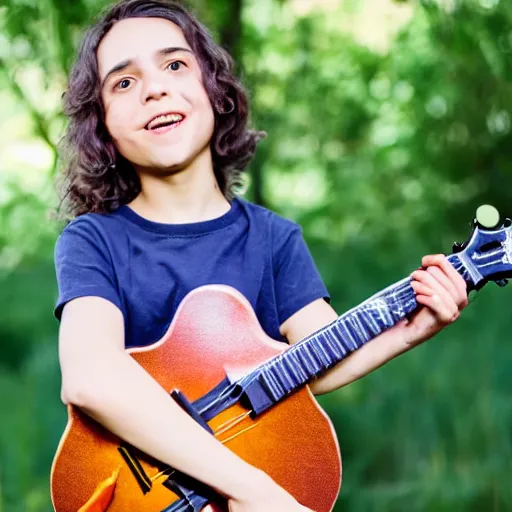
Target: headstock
487 255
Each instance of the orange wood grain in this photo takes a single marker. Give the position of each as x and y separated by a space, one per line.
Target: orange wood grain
213 332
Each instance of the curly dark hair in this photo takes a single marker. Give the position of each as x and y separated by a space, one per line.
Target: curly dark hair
95 177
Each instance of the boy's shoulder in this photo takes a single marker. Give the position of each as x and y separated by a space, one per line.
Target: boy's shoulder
276 223
92 226
94 219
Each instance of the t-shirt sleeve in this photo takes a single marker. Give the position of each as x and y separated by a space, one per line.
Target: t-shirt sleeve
297 279
83 266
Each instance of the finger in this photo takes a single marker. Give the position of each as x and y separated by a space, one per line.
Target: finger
443 312
441 261
443 297
459 282
421 289
429 280
432 259
457 279
444 281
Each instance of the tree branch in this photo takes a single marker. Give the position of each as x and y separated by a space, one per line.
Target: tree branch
40 122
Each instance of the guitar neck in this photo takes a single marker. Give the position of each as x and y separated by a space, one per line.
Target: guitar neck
314 355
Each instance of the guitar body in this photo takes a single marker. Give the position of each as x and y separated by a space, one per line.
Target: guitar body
214 332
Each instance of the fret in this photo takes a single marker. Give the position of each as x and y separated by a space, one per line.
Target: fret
341 332
331 338
287 372
299 372
372 324
268 386
305 361
319 352
357 326
288 367
322 350
310 362
340 335
273 384
278 381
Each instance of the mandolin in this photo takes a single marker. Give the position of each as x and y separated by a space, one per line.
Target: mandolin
248 391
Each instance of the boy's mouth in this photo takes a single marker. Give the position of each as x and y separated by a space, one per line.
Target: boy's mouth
166 128
168 120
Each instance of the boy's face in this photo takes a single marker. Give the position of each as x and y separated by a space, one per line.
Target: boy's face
153 83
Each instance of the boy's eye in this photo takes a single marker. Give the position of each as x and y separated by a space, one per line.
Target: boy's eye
118 86
175 65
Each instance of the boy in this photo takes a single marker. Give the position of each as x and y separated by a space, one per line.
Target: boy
156 141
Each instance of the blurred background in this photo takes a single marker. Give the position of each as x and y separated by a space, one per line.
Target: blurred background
389 123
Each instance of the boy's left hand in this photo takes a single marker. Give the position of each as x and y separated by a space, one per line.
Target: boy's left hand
442 290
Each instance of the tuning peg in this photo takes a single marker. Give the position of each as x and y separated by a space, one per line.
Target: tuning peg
459 246
487 216
502 282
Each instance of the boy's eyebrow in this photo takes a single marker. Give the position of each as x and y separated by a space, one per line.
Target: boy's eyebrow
125 63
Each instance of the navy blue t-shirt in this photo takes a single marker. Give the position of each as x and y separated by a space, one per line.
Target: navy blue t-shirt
146 268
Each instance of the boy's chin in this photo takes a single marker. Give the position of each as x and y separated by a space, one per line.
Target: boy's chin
174 161
166 166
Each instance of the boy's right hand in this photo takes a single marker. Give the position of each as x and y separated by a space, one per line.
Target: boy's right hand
267 497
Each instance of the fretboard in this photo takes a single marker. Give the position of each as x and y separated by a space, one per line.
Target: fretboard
312 356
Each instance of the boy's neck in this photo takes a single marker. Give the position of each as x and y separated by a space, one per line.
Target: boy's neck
190 195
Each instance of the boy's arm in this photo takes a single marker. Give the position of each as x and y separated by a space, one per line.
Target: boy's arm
102 379
439 288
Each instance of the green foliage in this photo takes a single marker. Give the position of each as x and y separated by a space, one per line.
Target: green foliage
382 152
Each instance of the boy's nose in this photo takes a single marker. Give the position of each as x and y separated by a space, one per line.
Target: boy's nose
155 88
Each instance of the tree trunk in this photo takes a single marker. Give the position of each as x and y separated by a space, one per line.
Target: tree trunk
231 35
